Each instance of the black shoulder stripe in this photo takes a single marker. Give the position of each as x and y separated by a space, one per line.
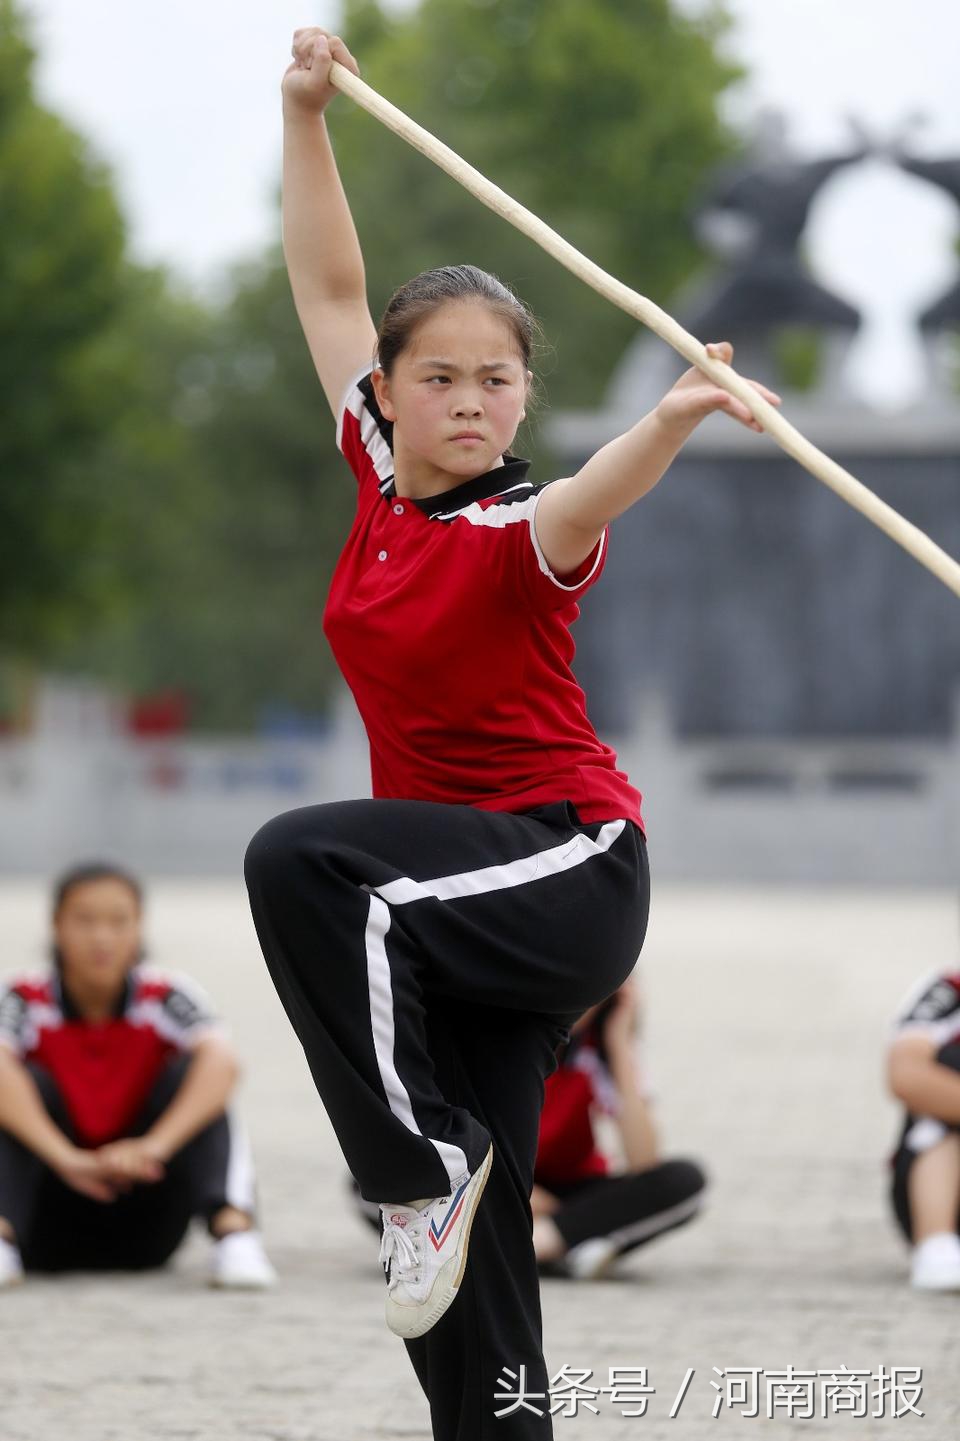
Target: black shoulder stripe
183 1010
385 427
13 1013
518 494
937 1001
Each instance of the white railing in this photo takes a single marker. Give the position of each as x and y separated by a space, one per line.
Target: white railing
853 811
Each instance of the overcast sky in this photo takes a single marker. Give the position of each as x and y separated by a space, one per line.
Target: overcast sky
182 101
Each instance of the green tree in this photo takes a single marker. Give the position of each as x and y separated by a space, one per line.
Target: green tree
234 514
228 504
147 553
62 278
601 118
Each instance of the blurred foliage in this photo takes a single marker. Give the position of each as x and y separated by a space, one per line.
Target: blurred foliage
62 277
798 350
171 503
237 509
600 118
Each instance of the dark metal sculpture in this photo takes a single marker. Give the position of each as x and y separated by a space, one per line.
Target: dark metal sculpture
754 213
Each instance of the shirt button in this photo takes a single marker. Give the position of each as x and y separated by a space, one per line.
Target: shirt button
398 510
382 555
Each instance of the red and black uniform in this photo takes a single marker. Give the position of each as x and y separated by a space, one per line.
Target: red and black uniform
432 945
628 1209
101 1081
932 1009
454 636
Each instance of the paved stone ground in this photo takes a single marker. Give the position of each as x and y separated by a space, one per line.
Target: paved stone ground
767 1016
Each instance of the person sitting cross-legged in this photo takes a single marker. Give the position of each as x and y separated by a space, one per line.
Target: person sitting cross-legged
586 1216
923 1066
114 1085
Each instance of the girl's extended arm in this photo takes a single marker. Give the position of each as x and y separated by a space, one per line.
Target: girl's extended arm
572 513
320 244
24 1116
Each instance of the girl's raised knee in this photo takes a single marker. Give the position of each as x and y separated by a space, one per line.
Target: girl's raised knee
278 846
272 848
683 1177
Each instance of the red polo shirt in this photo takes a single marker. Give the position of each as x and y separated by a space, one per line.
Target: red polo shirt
454 636
104 1070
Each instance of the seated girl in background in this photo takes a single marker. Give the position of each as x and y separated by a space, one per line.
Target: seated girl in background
923 1062
114 1083
585 1217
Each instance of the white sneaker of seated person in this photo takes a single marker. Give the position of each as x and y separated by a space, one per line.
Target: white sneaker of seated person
936 1263
11 1266
591 1259
424 1252
238 1262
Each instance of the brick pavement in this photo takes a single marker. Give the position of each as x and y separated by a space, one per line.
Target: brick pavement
767 1014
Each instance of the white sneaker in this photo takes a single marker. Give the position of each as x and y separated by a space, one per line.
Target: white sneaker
11 1266
424 1253
936 1263
240 1263
591 1259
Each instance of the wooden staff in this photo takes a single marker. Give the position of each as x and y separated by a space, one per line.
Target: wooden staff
913 540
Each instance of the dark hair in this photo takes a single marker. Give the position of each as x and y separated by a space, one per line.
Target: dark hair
413 302
93 871
79 876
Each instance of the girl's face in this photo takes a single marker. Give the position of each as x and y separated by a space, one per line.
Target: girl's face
97 931
456 394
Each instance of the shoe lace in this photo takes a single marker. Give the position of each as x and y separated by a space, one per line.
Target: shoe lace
401 1249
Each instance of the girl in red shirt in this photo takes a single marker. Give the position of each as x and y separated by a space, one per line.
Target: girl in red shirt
428 944
586 1214
114 1083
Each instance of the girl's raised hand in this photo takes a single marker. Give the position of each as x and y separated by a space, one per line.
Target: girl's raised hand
306 84
694 397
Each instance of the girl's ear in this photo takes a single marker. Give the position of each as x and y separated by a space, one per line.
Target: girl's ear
381 389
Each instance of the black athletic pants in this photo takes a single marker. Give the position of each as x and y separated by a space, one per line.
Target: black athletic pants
913 1142
629 1209
430 958
57 1229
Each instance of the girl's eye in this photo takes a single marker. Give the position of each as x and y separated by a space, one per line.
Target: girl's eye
491 379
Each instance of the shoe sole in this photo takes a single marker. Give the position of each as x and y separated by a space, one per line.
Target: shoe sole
409 1322
942 1286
